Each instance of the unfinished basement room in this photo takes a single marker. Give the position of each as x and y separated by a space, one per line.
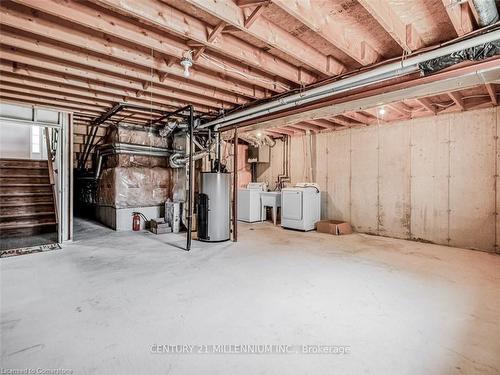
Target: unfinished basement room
250 187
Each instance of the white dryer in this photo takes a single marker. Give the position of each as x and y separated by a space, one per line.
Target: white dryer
249 202
301 206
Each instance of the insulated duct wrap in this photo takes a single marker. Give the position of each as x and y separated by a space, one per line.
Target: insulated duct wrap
134 187
477 53
130 134
126 160
135 170
487 12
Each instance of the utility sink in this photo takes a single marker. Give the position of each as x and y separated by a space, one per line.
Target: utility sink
270 199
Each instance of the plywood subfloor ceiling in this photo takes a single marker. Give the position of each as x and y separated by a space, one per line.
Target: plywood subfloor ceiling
84 56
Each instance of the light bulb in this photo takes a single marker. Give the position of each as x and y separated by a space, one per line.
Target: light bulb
186 71
381 111
259 134
186 63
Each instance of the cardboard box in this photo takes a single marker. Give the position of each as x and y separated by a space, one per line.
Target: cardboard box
333 227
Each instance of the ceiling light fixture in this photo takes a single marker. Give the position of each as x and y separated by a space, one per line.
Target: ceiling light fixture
187 62
259 134
381 111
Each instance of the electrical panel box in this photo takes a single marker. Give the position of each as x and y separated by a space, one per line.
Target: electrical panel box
260 154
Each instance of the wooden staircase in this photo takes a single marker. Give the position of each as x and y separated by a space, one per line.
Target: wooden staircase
26 201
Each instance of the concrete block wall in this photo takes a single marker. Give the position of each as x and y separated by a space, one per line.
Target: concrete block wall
434 179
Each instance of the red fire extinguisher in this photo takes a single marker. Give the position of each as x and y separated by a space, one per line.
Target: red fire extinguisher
136 221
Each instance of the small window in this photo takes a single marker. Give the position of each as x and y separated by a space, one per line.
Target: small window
35 139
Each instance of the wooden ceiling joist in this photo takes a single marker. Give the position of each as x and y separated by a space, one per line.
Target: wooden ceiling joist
305 127
253 16
317 18
119 72
97 88
460 16
396 107
457 99
428 105
26 99
271 34
461 78
82 72
36 24
283 131
322 123
49 101
492 93
251 3
84 129
77 92
345 120
171 20
296 129
86 56
216 31
404 34
359 117
39 92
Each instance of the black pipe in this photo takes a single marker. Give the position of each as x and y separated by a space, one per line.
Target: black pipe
235 185
170 114
190 179
93 132
94 126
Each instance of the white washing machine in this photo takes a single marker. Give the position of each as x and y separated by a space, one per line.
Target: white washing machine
249 209
301 206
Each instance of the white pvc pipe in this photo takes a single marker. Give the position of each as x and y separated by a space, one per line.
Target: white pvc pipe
381 73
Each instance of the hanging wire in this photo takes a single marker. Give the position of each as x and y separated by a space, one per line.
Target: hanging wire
227 68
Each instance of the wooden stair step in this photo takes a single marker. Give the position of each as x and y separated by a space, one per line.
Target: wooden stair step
27 184
12 189
7 172
22 204
7 166
5 217
26 209
27 231
27 223
20 198
4 195
23 163
7 180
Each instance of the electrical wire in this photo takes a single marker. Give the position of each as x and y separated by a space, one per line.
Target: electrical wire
222 65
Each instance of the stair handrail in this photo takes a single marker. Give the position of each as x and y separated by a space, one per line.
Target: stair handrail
51 171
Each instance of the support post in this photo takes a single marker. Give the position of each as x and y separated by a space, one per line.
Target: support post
190 179
235 186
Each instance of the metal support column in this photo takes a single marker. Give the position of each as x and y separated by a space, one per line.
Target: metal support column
190 179
235 186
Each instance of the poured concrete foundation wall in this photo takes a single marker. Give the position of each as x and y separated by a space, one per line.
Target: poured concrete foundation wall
432 179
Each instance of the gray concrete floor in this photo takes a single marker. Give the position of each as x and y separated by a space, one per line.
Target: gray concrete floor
98 305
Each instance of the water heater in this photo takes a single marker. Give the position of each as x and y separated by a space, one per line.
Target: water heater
214 207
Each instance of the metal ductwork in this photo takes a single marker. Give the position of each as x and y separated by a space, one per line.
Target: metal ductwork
487 12
126 148
256 141
180 160
168 129
346 84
